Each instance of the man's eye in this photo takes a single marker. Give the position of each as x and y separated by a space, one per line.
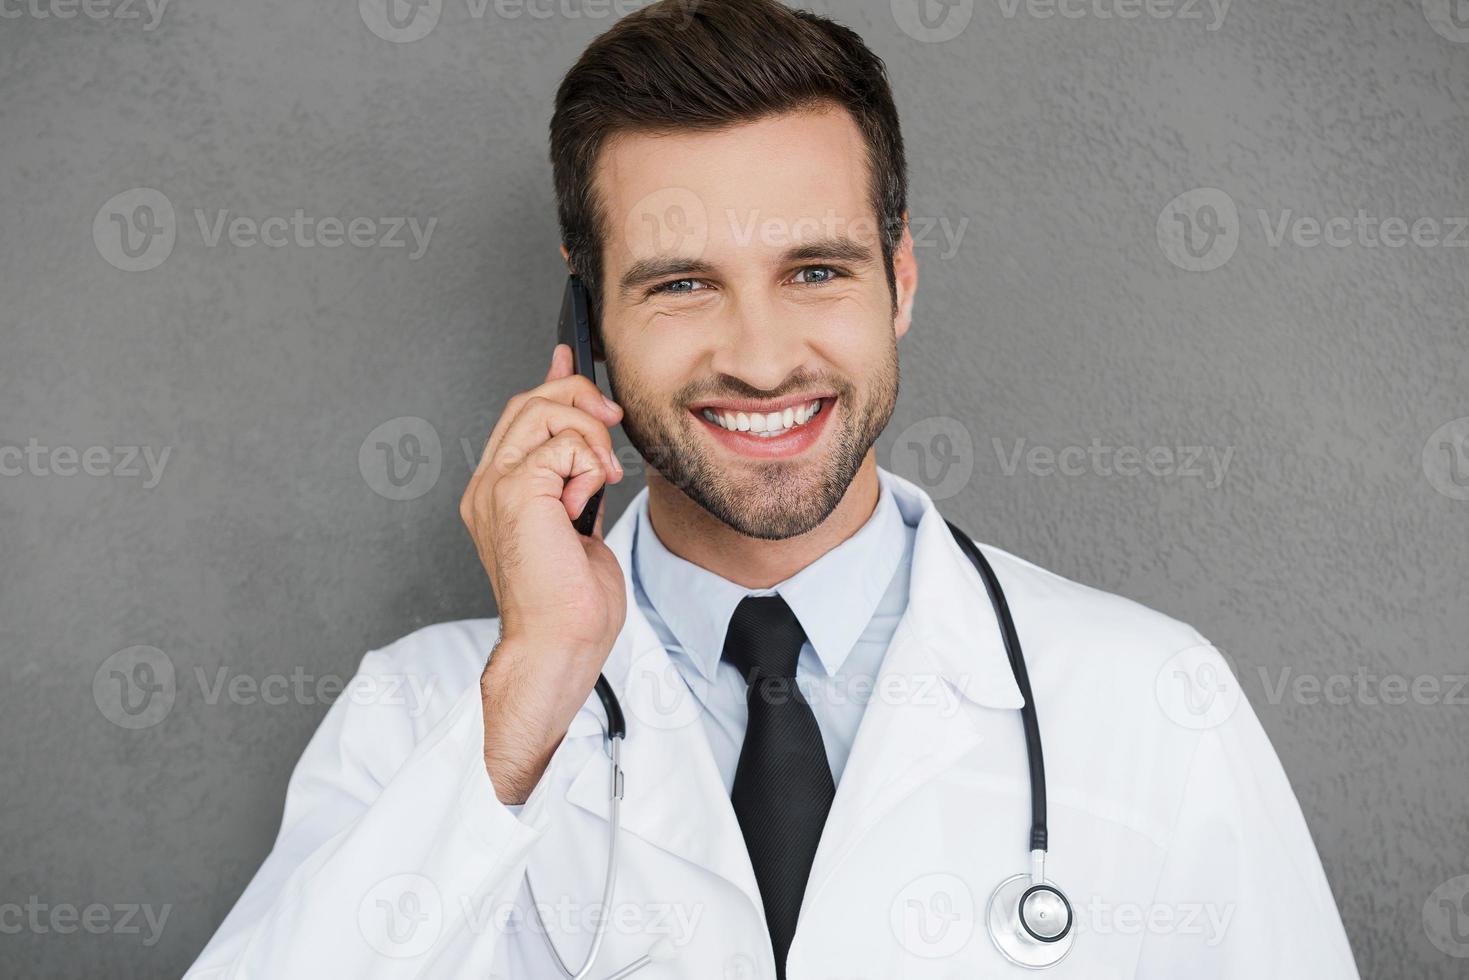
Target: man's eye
817 274
678 286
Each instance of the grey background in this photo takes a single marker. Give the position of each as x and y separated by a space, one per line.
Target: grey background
1054 143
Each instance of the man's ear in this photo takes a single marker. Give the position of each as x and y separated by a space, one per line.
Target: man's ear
565 255
905 276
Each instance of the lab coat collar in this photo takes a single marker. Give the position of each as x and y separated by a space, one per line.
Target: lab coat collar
675 797
949 607
946 598
833 618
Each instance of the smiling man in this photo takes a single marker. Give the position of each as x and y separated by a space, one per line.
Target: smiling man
780 296
817 749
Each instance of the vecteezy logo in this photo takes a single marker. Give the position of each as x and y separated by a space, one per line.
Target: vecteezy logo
662 698
1449 18
1446 459
933 916
1446 917
402 458
1198 230
135 688
400 21
740 967
937 453
932 21
135 230
401 916
672 221
1197 689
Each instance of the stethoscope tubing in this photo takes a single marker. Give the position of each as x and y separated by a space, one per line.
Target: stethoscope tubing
1039 832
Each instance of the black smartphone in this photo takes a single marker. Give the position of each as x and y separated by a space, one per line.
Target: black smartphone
575 329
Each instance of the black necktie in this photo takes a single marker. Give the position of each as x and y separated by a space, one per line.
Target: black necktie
783 786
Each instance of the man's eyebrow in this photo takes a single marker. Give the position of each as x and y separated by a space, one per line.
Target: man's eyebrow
838 247
646 270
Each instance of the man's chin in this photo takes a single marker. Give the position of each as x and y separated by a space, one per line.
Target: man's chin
769 525
769 499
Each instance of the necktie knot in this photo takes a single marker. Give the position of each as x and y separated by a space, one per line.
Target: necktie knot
764 638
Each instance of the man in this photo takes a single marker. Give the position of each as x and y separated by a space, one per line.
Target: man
825 769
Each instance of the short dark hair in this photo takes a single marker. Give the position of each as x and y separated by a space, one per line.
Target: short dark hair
705 65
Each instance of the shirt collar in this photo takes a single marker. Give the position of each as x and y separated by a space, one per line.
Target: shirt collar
834 597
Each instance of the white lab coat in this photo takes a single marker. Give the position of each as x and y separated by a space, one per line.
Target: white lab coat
1174 831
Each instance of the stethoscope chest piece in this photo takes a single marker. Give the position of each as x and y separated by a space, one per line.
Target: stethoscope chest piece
1031 924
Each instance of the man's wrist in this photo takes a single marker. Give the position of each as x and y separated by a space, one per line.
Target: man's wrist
523 724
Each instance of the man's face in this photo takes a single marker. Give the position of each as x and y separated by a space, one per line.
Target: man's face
743 275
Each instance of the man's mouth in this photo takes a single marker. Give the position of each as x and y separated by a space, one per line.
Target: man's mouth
772 429
766 425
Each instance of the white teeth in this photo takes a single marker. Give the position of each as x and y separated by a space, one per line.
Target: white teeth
765 424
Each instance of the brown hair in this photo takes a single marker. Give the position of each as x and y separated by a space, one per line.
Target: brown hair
705 65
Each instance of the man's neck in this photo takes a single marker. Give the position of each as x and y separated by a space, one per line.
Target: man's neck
695 535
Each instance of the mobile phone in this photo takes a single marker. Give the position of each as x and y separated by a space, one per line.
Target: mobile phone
575 329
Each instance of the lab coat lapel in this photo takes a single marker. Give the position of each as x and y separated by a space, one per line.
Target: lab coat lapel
944 672
674 796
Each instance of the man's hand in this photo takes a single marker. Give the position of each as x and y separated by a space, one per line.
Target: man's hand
561 595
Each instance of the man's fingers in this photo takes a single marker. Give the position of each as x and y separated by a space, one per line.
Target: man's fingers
561 364
565 468
572 390
544 420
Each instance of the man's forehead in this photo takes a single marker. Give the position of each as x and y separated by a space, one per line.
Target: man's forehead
765 184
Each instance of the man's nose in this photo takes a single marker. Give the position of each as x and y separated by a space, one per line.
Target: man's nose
760 345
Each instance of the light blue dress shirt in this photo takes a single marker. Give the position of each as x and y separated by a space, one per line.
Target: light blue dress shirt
848 601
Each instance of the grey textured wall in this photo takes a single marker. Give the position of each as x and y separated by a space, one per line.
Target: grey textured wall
1301 406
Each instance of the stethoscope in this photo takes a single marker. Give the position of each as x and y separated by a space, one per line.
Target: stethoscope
1029 918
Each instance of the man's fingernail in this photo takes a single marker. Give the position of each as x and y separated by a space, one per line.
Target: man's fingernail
610 402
